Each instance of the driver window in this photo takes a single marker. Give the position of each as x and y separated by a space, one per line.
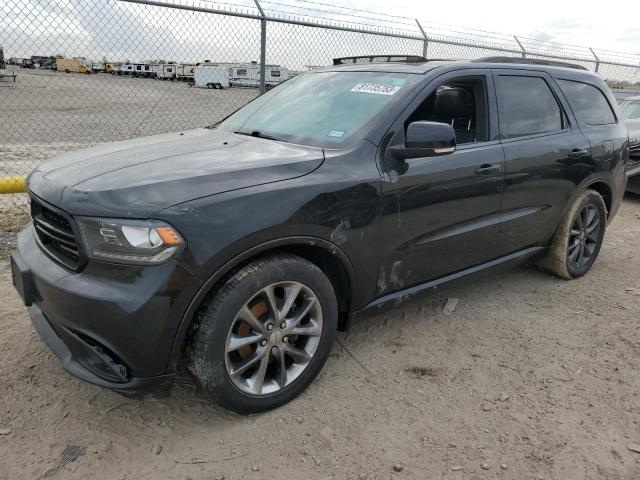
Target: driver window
462 104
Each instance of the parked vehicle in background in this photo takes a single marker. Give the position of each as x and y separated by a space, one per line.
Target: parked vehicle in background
630 108
146 70
211 76
185 72
126 69
26 63
241 250
72 65
112 68
43 62
167 71
248 75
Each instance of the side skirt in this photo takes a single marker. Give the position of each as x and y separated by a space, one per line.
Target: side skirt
514 257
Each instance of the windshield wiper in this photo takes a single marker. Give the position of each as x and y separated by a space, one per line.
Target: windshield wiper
257 134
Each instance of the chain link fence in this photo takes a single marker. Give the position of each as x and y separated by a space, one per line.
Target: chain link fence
82 72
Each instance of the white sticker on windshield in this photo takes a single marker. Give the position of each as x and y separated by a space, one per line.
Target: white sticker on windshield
376 88
336 133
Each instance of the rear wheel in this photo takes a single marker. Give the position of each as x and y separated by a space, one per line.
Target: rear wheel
579 237
265 335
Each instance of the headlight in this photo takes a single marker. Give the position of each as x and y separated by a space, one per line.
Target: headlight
131 242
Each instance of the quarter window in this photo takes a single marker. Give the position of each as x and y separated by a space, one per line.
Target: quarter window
527 106
590 102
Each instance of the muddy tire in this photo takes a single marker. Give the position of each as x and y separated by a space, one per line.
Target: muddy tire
577 242
264 335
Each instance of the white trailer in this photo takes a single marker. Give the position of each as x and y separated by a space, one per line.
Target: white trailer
145 70
211 76
248 75
184 72
167 71
126 69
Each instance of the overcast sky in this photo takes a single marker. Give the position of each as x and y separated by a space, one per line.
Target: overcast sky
121 31
613 25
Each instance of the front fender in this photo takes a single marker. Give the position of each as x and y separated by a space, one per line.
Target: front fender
231 263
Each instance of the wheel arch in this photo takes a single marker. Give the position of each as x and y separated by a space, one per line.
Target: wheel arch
603 188
601 185
325 255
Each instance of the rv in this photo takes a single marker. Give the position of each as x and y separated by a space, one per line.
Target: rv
146 70
184 72
211 76
126 69
167 71
248 75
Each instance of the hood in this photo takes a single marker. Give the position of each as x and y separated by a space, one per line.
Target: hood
135 178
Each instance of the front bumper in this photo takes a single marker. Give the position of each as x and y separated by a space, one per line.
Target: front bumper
110 325
85 359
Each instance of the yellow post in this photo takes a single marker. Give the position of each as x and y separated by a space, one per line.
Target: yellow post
12 185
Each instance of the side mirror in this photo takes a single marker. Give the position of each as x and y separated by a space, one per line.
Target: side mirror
426 139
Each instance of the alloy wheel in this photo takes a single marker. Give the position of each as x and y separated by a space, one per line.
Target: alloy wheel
273 338
584 236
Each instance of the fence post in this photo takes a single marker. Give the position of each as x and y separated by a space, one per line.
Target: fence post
263 46
597 59
524 52
425 42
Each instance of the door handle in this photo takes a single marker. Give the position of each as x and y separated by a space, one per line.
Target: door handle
578 153
487 169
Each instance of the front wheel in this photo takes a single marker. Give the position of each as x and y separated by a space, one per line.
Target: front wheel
263 337
579 237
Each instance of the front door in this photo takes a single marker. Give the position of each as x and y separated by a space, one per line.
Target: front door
440 214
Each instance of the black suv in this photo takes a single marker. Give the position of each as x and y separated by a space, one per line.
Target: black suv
240 250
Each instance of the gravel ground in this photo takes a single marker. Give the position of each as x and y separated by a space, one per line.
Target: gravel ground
530 377
45 113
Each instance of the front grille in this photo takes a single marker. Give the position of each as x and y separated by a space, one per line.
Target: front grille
634 148
56 233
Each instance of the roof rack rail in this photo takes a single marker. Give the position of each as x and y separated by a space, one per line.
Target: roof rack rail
529 61
379 59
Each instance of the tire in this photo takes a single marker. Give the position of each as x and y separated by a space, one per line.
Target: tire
215 360
562 259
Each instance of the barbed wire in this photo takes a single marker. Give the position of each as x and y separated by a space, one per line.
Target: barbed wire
436 30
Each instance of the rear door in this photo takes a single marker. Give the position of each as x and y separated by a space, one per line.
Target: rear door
607 133
546 156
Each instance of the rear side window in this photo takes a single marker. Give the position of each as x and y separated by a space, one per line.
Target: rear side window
527 106
592 106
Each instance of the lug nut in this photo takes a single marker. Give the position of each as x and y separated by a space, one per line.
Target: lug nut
274 350
269 326
283 325
285 339
263 342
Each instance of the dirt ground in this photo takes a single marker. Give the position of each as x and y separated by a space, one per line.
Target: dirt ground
531 377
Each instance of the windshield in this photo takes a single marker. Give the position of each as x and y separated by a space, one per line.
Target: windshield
326 109
631 109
